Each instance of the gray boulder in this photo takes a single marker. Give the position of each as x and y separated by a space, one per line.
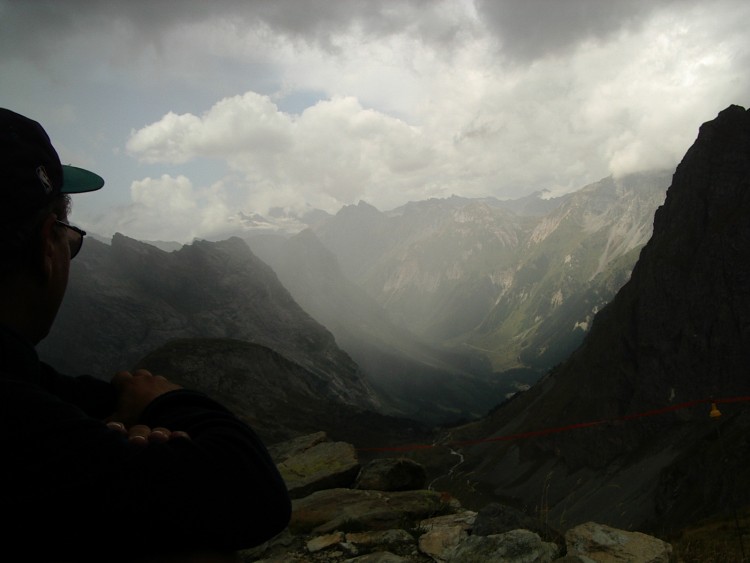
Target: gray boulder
325 465
517 546
392 474
354 510
602 543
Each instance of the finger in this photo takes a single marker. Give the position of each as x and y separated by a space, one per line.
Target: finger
159 435
180 435
118 426
121 376
142 373
138 434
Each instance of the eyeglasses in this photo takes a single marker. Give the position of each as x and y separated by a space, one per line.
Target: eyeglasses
75 242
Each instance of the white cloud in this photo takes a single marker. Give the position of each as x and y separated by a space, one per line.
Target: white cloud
175 196
233 126
407 99
334 153
168 208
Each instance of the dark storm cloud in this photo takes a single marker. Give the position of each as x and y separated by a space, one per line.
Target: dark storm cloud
34 29
530 29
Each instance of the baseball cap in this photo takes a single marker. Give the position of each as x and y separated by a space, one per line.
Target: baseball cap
31 174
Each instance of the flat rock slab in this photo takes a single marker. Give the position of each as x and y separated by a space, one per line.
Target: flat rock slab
517 546
354 510
602 543
392 474
296 446
323 466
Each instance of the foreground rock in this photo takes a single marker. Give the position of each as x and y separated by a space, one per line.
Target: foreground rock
602 543
392 474
517 546
353 509
323 466
349 524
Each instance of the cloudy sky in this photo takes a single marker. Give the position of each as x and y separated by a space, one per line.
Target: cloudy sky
195 111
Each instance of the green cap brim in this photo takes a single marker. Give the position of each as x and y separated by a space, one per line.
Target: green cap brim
77 180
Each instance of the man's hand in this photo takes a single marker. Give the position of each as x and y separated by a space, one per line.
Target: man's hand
135 391
142 435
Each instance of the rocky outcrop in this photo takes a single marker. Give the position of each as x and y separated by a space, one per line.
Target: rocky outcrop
392 474
495 518
602 543
442 534
355 509
345 524
327 465
517 546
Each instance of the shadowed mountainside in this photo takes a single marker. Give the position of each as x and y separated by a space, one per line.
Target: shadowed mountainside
414 379
130 298
278 398
678 331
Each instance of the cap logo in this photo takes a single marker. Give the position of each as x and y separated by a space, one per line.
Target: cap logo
41 173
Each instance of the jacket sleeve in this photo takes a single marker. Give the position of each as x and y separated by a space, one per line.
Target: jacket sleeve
85 486
230 470
93 396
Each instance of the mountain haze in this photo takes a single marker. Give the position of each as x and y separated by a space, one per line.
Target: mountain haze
438 310
413 378
517 281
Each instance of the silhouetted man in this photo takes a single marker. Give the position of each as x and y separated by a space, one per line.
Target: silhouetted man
98 471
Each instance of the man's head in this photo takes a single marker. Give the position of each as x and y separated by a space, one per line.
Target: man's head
34 188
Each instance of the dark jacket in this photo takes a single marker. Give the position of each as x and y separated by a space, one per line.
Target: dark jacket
74 489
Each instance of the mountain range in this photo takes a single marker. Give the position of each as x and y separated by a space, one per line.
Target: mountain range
518 281
436 311
449 306
633 316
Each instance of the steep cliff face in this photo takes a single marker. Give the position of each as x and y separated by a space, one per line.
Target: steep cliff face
678 331
571 265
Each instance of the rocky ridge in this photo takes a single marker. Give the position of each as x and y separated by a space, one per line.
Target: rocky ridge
380 512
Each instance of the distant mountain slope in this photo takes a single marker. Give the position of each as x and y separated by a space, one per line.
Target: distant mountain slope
572 264
678 331
279 398
127 299
414 379
517 280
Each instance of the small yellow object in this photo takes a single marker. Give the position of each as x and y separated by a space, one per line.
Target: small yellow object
715 412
